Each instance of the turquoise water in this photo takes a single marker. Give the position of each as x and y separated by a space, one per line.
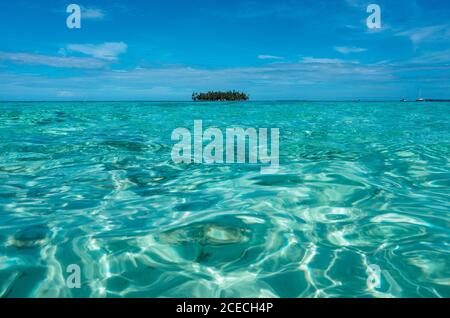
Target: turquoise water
93 184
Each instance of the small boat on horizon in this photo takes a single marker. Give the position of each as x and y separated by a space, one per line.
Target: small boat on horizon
420 99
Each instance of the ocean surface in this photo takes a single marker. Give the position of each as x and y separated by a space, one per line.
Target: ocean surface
360 186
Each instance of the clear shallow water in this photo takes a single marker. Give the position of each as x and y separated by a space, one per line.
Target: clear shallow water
93 184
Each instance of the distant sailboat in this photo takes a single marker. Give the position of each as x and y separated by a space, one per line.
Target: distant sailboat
420 99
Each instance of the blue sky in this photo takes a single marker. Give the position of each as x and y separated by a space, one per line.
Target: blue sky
165 50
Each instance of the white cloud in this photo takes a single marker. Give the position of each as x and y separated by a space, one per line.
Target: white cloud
92 13
65 94
430 33
348 50
54 61
436 57
309 77
318 60
178 82
309 70
270 57
106 51
356 3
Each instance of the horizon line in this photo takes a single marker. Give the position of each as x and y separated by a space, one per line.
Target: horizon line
249 101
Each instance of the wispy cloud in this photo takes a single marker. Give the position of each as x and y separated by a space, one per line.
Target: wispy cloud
100 55
356 3
335 78
269 57
429 33
53 61
348 50
320 60
435 57
92 13
65 94
106 51
182 80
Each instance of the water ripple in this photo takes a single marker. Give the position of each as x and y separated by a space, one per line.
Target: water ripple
93 184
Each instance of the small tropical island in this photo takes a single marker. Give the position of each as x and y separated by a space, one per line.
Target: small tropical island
220 96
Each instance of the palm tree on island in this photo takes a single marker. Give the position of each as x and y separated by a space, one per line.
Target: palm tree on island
220 96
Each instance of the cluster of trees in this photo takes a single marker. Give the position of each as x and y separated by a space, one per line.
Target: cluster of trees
220 96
